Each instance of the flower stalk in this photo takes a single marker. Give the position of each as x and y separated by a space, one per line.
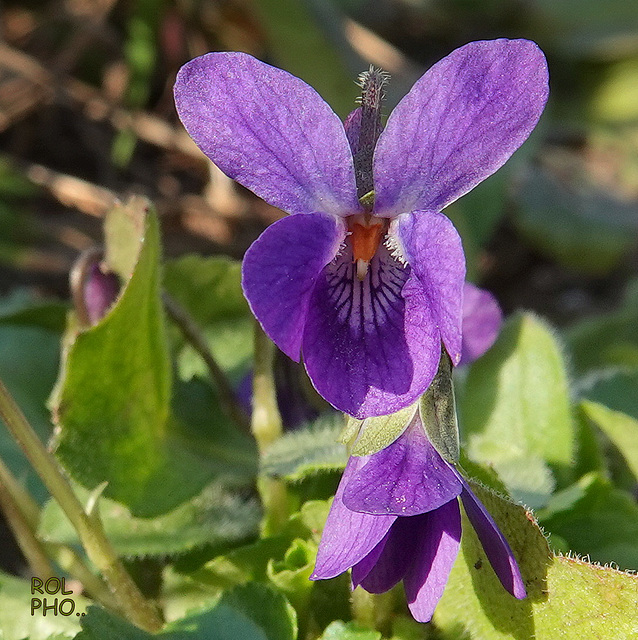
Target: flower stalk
266 426
89 528
17 498
192 333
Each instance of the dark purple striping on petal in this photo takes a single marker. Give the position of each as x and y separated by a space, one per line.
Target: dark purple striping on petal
359 341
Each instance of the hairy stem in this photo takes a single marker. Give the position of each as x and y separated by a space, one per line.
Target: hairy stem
89 528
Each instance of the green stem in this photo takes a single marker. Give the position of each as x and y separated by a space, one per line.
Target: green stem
65 557
266 426
89 528
266 421
193 334
372 609
25 537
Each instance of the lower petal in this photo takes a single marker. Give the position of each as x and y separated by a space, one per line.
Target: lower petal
439 538
397 552
370 346
406 478
434 251
280 269
496 547
348 537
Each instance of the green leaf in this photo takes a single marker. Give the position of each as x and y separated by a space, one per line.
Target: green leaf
377 433
616 98
306 452
616 389
215 517
28 363
124 230
250 612
567 598
113 398
210 289
515 407
243 565
595 519
620 428
582 227
17 622
607 339
339 630
291 576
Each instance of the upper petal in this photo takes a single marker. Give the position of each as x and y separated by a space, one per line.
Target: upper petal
482 319
269 131
280 269
370 347
494 544
406 478
348 537
439 539
434 251
459 123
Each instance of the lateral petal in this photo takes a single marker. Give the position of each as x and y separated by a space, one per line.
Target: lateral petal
434 251
280 269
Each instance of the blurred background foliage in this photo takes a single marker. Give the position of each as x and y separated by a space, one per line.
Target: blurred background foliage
87 118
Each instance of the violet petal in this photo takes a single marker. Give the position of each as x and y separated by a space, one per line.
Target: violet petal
496 547
269 131
370 346
482 319
392 563
439 538
459 123
434 250
406 478
280 269
348 536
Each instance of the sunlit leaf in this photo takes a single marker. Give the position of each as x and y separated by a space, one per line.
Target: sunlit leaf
339 630
17 621
215 517
113 401
307 451
566 596
620 428
516 410
596 520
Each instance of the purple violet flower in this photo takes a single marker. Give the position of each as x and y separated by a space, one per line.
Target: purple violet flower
368 282
482 320
396 517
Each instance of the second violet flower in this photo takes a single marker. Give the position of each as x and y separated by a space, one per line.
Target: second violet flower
365 277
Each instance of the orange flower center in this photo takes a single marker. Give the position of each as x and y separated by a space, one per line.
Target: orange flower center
365 235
